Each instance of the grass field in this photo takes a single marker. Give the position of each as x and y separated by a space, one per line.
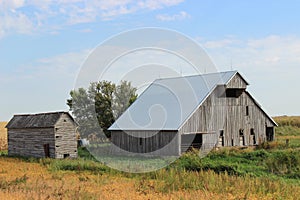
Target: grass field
288 129
269 171
3 136
86 179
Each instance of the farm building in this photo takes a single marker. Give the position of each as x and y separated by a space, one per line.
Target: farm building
201 111
42 135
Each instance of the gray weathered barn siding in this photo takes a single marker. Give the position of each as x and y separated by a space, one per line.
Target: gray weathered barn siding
216 112
146 142
65 137
237 82
229 115
27 135
29 142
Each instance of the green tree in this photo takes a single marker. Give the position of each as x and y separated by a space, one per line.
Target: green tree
82 108
123 97
103 101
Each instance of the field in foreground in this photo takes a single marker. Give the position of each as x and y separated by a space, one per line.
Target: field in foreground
225 174
79 179
270 171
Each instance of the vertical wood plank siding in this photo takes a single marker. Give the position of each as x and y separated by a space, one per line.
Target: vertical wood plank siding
237 82
216 113
65 137
146 142
228 114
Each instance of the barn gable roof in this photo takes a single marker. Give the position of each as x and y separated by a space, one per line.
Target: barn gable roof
260 107
167 103
41 120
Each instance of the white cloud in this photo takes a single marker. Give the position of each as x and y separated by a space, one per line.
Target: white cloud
157 4
219 44
271 64
15 22
44 84
66 64
19 16
166 17
56 67
269 51
11 4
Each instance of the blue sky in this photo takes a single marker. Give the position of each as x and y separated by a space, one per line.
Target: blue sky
44 43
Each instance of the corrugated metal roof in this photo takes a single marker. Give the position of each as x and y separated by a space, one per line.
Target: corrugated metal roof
41 120
167 103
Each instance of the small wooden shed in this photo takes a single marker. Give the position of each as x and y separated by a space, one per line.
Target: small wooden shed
42 135
201 111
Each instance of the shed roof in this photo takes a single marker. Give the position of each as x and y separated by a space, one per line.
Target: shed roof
41 120
167 103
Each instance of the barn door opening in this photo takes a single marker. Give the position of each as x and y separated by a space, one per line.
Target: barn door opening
242 137
221 139
190 141
252 137
270 133
47 150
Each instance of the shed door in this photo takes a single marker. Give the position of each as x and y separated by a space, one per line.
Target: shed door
47 150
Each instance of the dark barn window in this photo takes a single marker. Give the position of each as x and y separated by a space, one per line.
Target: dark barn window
234 93
247 110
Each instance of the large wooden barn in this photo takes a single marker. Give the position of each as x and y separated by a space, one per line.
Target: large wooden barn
201 111
42 135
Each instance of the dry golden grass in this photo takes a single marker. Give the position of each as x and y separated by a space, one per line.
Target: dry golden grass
3 136
24 180
288 120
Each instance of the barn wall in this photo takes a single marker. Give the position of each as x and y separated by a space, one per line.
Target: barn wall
228 114
29 142
146 142
237 82
65 137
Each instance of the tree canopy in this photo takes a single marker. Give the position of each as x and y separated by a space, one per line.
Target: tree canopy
100 105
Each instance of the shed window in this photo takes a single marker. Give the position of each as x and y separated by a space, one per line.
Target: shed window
141 141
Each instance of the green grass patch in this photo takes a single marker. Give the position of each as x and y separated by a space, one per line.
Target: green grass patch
287 131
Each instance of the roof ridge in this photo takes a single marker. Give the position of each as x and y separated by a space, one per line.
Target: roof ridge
193 75
45 113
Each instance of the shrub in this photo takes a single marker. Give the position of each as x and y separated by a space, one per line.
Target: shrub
284 163
189 161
